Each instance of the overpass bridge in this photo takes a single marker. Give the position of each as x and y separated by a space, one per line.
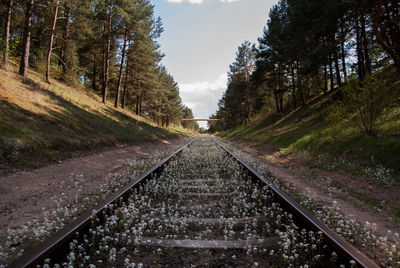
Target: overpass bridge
199 120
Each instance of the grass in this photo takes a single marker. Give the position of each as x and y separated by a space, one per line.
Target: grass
306 129
40 120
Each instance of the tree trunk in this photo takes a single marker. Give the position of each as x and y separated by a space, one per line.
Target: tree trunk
107 67
7 32
300 84
138 100
281 84
66 38
332 84
344 63
103 67
126 79
293 88
336 59
247 96
277 101
50 49
116 104
125 88
24 65
137 104
275 91
360 54
325 78
343 52
94 72
367 59
140 105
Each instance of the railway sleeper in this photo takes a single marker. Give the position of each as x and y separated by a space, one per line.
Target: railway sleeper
269 243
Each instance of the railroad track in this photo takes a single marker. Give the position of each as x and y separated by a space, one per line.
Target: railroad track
200 207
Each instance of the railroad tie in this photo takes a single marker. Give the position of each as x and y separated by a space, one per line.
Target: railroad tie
192 207
194 187
268 243
218 220
200 188
192 194
198 181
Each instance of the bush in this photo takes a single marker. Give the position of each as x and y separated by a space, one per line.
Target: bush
368 100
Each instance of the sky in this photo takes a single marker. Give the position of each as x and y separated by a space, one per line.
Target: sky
200 40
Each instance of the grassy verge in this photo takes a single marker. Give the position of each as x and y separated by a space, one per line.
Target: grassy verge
333 145
41 122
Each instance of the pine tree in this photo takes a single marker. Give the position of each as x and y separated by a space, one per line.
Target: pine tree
107 50
387 28
24 65
51 39
7 32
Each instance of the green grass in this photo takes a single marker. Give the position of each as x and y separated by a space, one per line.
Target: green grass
38 119
306 129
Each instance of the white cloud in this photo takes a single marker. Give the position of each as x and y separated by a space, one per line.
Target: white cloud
197 1
205 85
202 97
183 1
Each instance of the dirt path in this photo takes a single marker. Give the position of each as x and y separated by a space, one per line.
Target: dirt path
25 193
366 201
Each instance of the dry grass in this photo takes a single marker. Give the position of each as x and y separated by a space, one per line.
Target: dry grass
42 120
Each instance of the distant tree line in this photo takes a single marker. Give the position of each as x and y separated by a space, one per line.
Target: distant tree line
109 46
309 47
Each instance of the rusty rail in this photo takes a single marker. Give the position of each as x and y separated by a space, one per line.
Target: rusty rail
344 248
62 238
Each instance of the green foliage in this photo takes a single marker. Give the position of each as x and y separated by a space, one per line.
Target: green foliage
305 50
188 114
326 129
40 63
70 65
232 109
334 116
368 100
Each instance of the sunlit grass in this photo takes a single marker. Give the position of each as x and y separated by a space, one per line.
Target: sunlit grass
306 128
37 116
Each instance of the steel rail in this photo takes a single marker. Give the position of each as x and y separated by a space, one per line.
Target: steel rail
62 238
344 248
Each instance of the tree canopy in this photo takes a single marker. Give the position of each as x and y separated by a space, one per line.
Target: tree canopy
109 46
309 47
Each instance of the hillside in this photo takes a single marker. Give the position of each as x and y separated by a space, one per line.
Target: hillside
308 133
41 122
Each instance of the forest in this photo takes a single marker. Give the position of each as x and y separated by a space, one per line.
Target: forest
108 46
312 47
